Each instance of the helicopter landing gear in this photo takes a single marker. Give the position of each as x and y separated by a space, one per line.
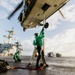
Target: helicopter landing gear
46 25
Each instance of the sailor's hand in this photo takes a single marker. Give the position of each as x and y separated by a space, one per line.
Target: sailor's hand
43 29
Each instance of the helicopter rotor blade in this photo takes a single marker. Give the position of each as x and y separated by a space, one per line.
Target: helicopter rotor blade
17 8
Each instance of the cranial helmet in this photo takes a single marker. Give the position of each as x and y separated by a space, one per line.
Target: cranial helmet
36 34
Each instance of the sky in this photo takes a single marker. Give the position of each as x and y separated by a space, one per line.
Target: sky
59 37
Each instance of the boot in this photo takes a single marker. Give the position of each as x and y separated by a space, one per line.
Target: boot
29 65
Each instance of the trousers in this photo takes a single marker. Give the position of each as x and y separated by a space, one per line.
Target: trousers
40 55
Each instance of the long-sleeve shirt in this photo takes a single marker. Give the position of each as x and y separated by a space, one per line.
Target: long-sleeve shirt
38 39
17 56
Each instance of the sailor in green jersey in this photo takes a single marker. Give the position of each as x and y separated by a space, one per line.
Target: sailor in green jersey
17 57
39 46
39 43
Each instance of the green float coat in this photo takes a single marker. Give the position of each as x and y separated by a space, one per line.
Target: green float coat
17 56
38 39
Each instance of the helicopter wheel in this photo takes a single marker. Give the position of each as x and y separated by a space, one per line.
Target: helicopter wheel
46 25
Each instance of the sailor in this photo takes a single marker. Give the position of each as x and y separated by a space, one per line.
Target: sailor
39 46
36 53
39 42
17 57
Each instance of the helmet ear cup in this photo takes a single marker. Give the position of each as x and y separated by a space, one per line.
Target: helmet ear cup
46 25
36 34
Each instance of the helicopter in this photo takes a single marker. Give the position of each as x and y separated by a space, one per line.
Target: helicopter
36 11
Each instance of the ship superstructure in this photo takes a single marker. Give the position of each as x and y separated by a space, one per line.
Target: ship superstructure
8 48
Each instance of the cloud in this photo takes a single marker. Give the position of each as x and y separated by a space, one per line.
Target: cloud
27 47
3 15
15 1
63 43
69 12
9 4
56 19
6 5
